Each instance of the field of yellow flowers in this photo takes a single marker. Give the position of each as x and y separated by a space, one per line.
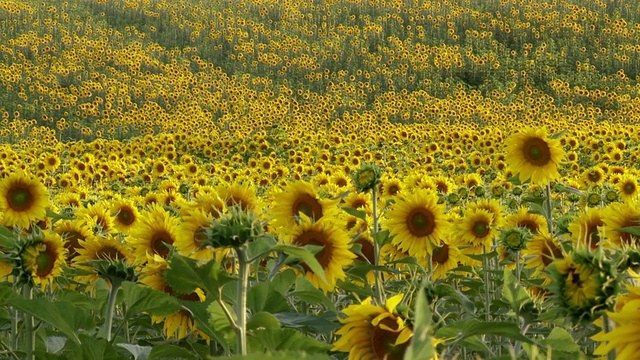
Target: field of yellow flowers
343 179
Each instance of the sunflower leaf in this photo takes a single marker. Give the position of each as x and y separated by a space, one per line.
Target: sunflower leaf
513 292
558 135
560 340
567 189
382 237
633 230
500 328
360 214
145 299
59 314
184 275
421 346
305 255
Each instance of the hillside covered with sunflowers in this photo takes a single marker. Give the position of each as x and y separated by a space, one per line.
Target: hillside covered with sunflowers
343 179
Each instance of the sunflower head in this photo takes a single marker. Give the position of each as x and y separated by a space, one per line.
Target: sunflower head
234 229
514 239
534 155
40 259
23 200
367 178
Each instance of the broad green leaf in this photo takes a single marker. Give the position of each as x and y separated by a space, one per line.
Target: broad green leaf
261 297
360 214
288 340
303 254
263 320
560 340
59 314
184 275
262 245
421 346
141 299
320 325
558 135
283 281
515 180
7 238
382 237
515 294
91 348
278 355
566 188
138 352
308 293
170 352
633 230
349 286
200 313
506 329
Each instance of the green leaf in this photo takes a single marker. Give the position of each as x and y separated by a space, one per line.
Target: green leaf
568 189
261 297
90 348
288 340
506 329
303 254
141 299
138 352
279 355
200 313
184 275
7 238
308 293
381 237
170 352
515 180
317 324
263 320
59 314
560 340
360 214
421 346
558 135
349 286
633 230
283 281
515 294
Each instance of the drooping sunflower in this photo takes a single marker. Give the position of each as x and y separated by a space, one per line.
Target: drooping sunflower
155 232
372 332
418 222
586 229
333 256
617 216
297 199
23 200
108 247
43 259
125 214
180 324
541 250
72 232
533 155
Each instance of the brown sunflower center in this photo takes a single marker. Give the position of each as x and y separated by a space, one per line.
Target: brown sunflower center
109 252
72 242
421 222
316 238
200 236
440 254
537 152
480 229
550 252
382 342
126 216
160 241
20 198
45 262
393 189
308 205
629 188
529 224
367 250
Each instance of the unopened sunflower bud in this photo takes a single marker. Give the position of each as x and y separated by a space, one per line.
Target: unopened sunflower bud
367 178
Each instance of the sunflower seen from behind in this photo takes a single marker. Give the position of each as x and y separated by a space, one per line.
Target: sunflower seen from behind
334 254
532 154
23 200
417 222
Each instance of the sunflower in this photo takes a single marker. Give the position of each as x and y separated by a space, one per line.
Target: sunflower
156 231
23 200
417 222
99 213
72 232
333 256
541 250
592 176
391 187
617 216
43 259
297 199
180 324
445 257
108 247
125 214
476 229
627 187
193 231
533 155
371 332
586 229
359 201
524 219
493 207
239 193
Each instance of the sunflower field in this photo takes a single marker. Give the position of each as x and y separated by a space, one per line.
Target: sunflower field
344 179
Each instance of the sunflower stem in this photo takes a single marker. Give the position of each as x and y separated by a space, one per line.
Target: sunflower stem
241 304
517 266
549 208
606 327
485 272
110 310
376 249
29 334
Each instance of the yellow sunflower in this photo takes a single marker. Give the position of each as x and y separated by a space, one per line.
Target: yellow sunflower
533 155
417 222
179 325
297 199
43 259
627 187
493 207
155 232
72 232
371 332
617 216
99 213
193 231
239 193
586 229
541 251
92 248
333 256
23 200
445 257
124 214
623 339
476 229
524 219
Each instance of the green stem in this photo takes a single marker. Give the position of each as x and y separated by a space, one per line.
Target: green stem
29 334
606 327
110 310
379 289
549 209
241 304
518 266
485 271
